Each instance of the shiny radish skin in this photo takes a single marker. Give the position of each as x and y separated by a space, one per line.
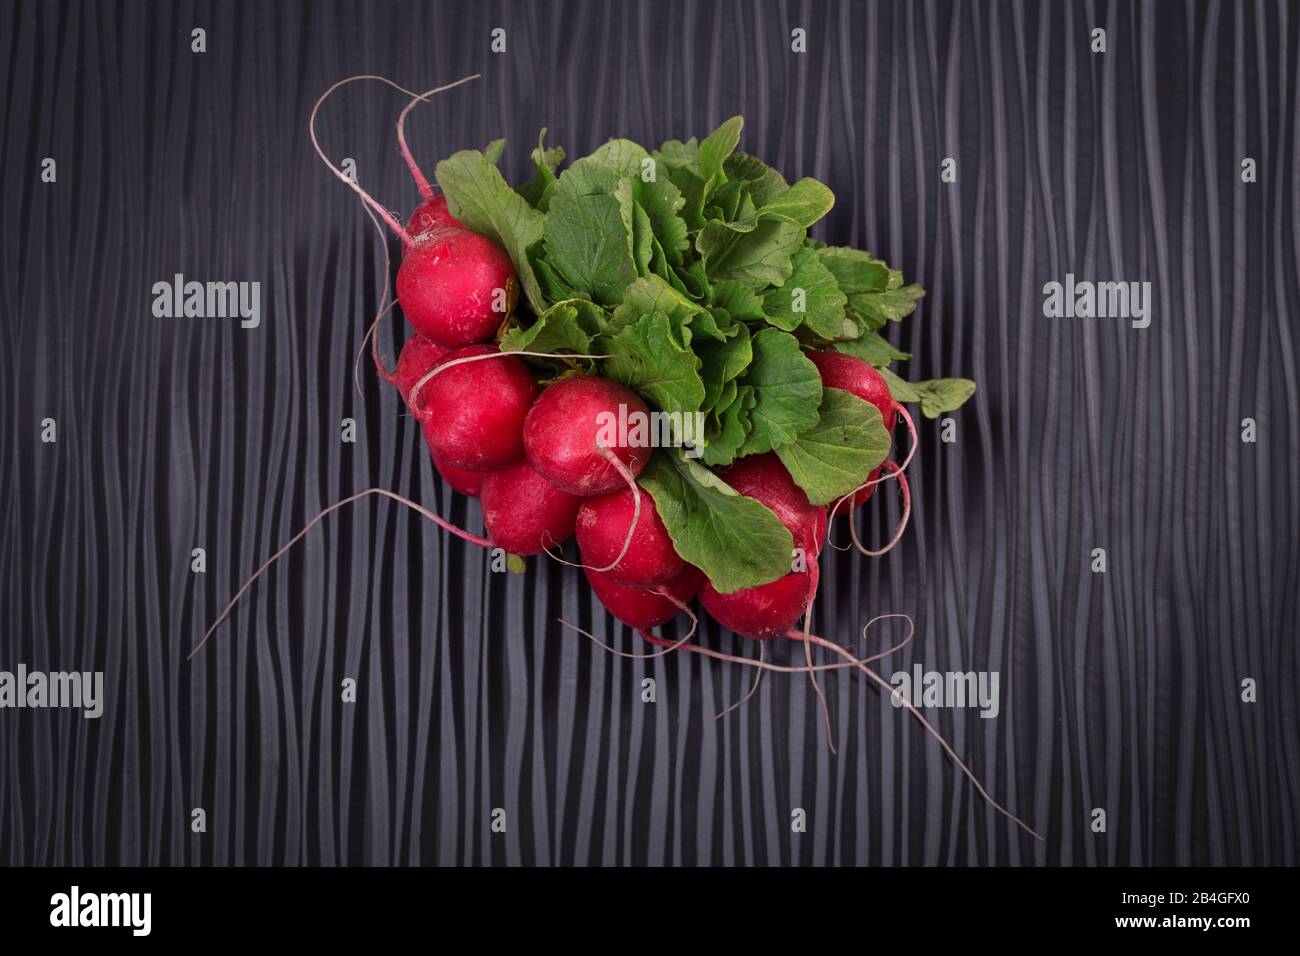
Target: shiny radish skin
523 512
418 356
856 377
460 480
765 479
602 527
450 281
640 608
563 429
768 610
473 413
430 215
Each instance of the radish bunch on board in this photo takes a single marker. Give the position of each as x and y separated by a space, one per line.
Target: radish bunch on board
645 348
712 384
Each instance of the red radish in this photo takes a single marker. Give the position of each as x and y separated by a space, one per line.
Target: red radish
524 513
456 287
768 610
460 479
764 478
602 530
572 432
418 356
856 377
473 413
430 215
640 608
771 609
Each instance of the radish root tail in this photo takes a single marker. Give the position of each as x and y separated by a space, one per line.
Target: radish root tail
372 336
668 646
761 664
911 430
812 675
343 177
394 496
421 182
947 747
906 492
753 688
896 472
850 661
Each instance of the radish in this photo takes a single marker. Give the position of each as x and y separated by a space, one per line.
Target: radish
473 412
602 533
463 480
523 512
768 610
764 478
418 356
856 377
640 608
430 215
456 287
570 440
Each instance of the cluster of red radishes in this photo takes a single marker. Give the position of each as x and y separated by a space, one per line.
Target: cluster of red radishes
534 459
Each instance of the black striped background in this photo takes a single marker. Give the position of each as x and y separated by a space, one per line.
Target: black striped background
1119 691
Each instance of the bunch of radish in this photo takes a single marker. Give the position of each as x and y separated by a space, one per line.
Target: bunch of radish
679 282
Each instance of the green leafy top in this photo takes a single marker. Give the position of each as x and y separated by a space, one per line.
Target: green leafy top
690 270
